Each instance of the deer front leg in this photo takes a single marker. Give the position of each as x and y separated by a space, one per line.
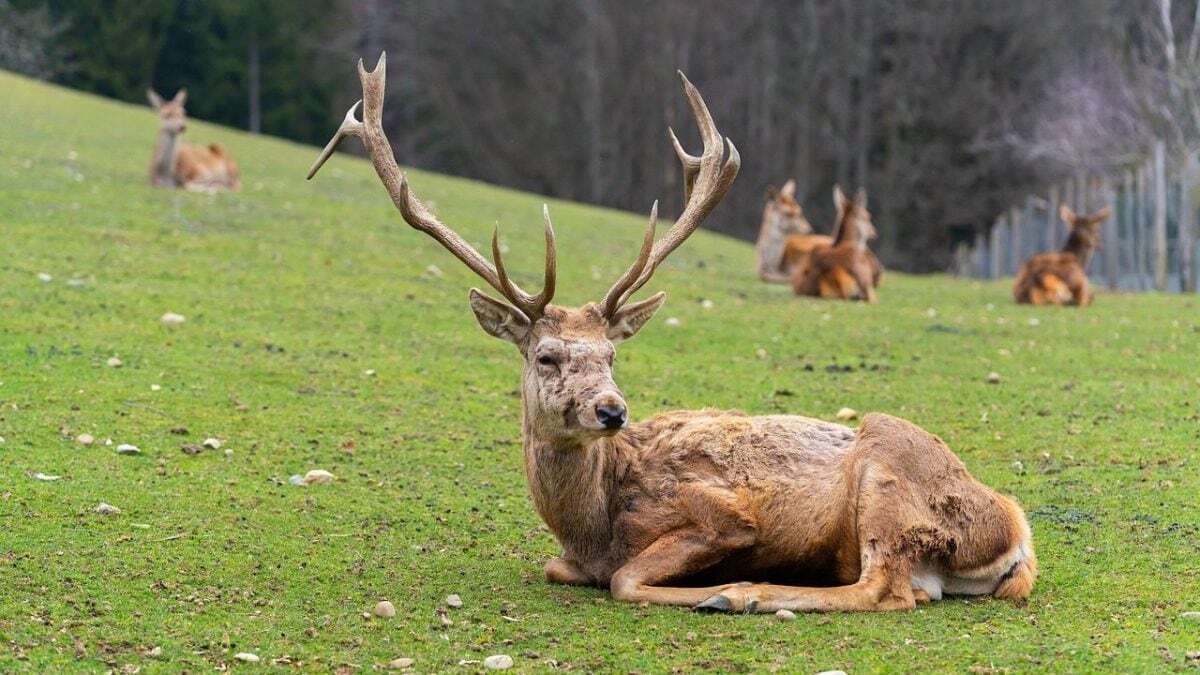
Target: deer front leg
563 571
717 528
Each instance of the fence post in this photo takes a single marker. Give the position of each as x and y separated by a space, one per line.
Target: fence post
995 250
1014 255
1112 247
1052 243
1187 224
1125 263
980 256
1160 216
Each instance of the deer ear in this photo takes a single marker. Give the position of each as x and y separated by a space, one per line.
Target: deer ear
155 100
839 201
1100 216
630 319
1067 215
499 319
180 96
789 188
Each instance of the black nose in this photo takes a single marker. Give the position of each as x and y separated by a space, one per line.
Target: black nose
611 416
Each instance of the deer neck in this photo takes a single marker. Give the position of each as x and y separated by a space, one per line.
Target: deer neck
166 150
1080 247
571 484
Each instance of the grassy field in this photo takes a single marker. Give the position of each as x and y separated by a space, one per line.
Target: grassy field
316 337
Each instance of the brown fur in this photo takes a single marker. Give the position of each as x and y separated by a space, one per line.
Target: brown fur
1061 278
844 268
179 164
782 220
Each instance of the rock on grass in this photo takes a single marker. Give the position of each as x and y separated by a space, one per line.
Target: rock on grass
318 477
246 657
384 609
106 509
454 601
847 414
498 662
127 449
401 663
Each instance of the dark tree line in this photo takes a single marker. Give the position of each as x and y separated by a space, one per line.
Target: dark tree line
943 109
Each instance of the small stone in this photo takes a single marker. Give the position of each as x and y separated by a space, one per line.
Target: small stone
85 439
454 601
760 353
931 313
173 319
127 449
672 322
229 452
401 663
211 443
155 653
1192 656
434 271
106 509
76 283
369 372
44 278
1190 616
832 672
318 477
191 449
498 662
45 477
114 362
156 387
385 609
847 414
246 657
993 378
785 615
1018 466
296 480
1033 321
707 304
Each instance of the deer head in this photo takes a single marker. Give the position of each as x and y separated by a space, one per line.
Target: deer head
1086 228
782 205
853 222
171 114
568 388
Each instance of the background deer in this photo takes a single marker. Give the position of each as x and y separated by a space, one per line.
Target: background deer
782 220
1061 278
845 268
681 508
179 164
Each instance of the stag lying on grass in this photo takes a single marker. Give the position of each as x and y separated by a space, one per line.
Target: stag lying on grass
178 164
782 221
684 507
844 268
1061 278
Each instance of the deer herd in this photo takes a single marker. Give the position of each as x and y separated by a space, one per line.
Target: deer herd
712 509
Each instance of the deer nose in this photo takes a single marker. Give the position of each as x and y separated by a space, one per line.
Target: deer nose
611 416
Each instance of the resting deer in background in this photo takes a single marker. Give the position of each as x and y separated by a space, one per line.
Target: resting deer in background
782 220
683 507
179 164
845 268
1061 278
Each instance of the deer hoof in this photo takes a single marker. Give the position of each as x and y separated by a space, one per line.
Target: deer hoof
717 603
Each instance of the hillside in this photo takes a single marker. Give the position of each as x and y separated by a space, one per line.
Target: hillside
316 337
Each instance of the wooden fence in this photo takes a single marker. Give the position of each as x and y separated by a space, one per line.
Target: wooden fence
1149 242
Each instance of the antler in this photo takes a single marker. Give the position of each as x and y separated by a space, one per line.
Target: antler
706 179
415 213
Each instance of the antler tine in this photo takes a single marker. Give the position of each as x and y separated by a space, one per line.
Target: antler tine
617 295
350 127
706 180
531 305
414 212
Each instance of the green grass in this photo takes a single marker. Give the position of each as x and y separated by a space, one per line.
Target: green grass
292 290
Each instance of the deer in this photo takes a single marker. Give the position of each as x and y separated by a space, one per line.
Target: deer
709 509
178 164
782 221
844 268
1061 278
